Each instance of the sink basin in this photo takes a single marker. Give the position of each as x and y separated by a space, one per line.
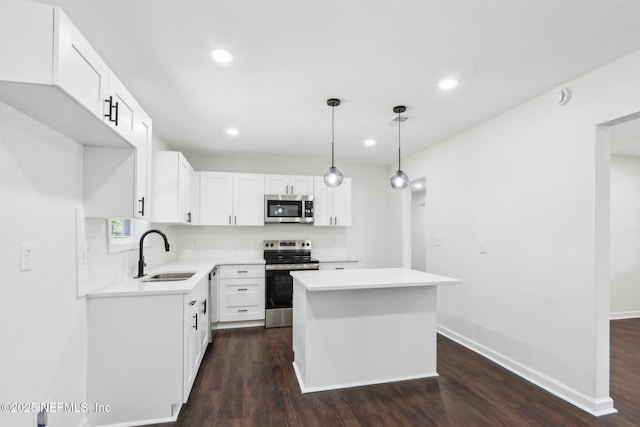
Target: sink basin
169 277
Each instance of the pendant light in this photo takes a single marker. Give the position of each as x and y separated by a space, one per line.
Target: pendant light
399 180
333 177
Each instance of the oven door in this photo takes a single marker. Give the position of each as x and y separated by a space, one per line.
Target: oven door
279 289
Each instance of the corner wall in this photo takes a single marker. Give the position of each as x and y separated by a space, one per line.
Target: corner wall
43 325
529 183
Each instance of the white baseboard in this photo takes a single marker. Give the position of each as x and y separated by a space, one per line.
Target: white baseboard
305 389
624 315
596 407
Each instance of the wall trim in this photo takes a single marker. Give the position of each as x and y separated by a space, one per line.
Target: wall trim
595 407
624 315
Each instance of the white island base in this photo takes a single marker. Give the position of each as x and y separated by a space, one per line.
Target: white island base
366 326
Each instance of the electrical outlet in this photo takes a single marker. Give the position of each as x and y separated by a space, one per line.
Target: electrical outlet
26 257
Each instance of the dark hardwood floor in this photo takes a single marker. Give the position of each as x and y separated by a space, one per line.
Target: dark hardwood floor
247 380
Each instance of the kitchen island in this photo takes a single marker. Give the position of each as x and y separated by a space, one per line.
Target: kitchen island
364 326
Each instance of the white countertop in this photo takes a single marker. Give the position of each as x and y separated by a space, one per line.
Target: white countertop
136 287
368 278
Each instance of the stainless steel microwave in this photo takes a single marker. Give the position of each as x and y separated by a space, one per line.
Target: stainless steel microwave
279 208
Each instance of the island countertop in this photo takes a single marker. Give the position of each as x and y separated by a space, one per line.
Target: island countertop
368 278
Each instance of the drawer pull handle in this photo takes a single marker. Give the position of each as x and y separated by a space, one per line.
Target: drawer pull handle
243 289
244 310
192 302
339 268
195 316
243 271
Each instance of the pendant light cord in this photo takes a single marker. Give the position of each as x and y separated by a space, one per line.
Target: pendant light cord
399 122
332 134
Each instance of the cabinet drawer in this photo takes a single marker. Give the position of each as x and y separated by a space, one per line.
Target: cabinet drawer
243 295
241 271
247 312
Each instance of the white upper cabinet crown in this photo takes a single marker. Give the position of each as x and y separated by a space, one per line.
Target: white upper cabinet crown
172 188
297 185
332 205
231 198
51 73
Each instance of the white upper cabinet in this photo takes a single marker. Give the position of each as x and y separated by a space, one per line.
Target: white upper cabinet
171 188
248 199
51 73
216 198
231 198
332 205
288 184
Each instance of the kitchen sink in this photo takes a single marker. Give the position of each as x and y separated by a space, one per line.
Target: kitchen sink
169 277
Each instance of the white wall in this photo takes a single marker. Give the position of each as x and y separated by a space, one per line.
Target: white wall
530 182
625 237
42 323
366 239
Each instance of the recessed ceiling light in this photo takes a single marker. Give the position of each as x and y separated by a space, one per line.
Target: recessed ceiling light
232 132
448 84
369 142
222 56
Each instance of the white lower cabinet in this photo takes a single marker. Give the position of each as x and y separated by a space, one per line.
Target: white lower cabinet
242 293
144 353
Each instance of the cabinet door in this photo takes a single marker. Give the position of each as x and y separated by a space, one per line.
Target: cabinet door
185 175
342 203
80 71
143 164
301 185
322 203
120 108
216 198
276 184
248 199
192 344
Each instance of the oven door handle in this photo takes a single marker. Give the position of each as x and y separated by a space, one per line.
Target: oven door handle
293 267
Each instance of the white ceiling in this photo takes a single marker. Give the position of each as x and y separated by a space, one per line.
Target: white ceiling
291 55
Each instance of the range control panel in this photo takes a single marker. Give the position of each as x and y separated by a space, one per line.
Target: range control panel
286 244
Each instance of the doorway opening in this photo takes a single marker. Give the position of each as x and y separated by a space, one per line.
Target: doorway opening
419 224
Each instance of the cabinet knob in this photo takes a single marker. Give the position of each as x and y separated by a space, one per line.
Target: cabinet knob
192 302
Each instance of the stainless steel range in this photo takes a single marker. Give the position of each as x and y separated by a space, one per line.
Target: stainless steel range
281 257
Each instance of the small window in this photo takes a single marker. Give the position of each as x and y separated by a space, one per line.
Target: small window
121 228
123 234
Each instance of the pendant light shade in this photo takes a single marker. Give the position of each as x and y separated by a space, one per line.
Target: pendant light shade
399 180
333 177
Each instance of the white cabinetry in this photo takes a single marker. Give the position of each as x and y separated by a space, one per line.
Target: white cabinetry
197 332
288 184
242 293
117 180
332 205
51 73
231 198
143 354
172 188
